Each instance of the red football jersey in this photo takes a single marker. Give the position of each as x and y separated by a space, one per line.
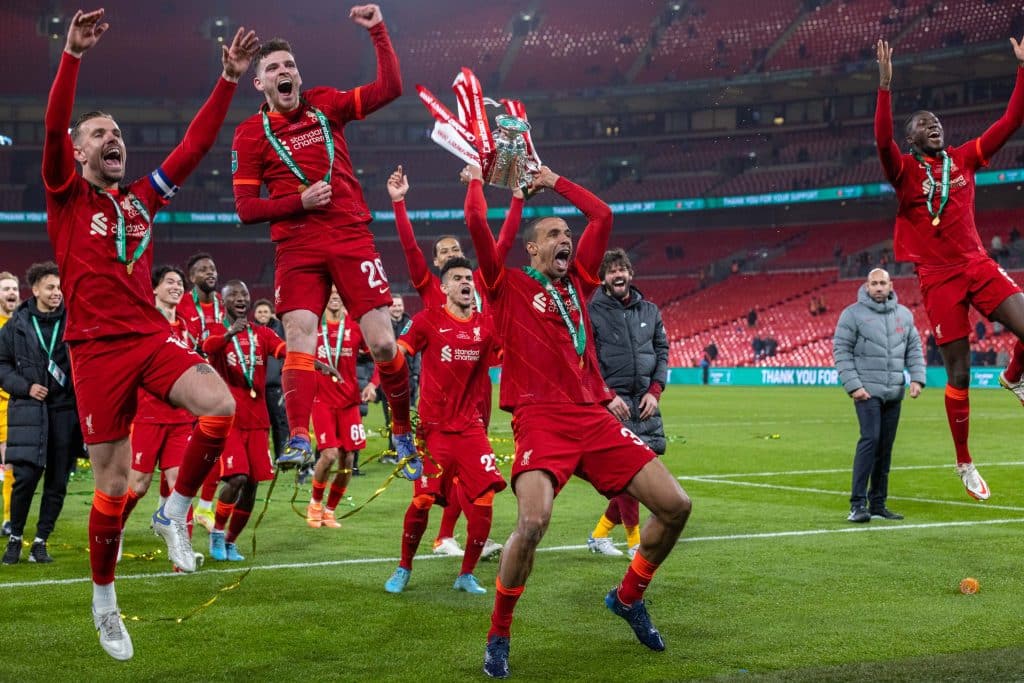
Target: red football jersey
203 321
154 410
250 412
345 393
103 299
254 161
456 355
955 240
539 361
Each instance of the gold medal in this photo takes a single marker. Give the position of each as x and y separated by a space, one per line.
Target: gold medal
131 266
303 187
252 393
935 221
581 362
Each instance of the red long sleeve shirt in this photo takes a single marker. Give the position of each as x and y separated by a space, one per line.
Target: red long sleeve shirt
103 299
255 163
540 364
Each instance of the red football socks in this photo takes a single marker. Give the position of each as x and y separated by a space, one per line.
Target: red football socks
209 489
202 453
478 526
394 380
451 513
104 535
958 413
298 379
636 580
415 524
335 496
239 518
318 491
505 600
223 513
629 509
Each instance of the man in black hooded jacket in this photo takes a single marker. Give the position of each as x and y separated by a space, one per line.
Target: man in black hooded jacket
632 349
44 438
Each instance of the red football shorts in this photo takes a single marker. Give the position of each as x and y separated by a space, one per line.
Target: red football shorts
949 293
158 443
307 264
108 373
338 427
466 456
247 451
585 440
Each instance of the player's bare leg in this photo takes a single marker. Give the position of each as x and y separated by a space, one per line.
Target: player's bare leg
956 356
298 381
338 488
394 380
202 392
535 495
244 504
660 492
315 509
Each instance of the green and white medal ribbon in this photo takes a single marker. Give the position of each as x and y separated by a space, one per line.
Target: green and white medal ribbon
944 192
577 333
333 360
120 233
285 155
203 332
248 370
51 366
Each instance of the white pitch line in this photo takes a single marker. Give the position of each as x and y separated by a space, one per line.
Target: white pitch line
563 548
838 470
803 489
736 424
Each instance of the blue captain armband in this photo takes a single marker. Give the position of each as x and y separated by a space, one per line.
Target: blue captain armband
162 184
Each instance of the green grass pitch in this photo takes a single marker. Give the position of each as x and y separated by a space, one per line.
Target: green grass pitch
769 583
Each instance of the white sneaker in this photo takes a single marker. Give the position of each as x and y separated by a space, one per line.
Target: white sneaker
114 638
633 550
975 485
603 546
491 548
175 535
1016 387
448 546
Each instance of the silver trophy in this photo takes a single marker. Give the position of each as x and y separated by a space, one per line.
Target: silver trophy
512 166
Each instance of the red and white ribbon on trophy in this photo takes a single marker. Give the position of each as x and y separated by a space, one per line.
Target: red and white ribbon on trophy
468 135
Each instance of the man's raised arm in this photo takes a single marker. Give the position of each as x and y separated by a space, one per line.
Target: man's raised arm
491 265
419 271
387 87
993 139
58 156
510 228
888 151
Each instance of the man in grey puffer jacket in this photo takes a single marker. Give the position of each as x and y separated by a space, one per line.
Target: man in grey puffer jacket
875 341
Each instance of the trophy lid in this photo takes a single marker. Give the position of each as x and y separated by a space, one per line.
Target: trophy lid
512 124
